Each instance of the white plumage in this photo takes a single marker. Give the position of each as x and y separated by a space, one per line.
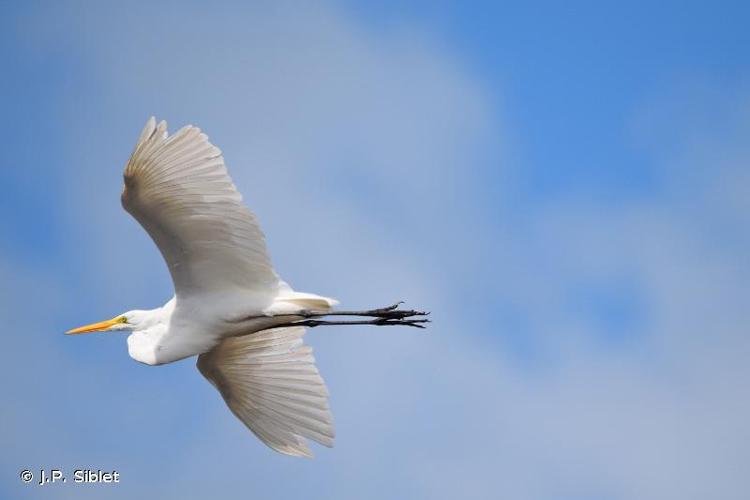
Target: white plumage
179 190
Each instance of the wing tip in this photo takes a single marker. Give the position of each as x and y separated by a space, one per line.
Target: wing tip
148 130
302 451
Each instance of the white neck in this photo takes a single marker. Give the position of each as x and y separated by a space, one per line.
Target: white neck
143 343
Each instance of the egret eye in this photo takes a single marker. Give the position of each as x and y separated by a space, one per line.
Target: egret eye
122 319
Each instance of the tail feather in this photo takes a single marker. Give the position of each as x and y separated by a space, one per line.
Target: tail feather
289 301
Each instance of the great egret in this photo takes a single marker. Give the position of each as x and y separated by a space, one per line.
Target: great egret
229 307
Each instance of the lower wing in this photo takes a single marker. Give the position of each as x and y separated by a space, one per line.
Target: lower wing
269 381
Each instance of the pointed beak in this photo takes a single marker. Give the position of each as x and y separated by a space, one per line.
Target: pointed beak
95 327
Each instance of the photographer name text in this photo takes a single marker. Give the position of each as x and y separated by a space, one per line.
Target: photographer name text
44 477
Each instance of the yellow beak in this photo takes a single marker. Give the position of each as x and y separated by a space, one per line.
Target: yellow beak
96 327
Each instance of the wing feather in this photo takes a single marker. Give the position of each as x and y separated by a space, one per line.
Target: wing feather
177 187
270 382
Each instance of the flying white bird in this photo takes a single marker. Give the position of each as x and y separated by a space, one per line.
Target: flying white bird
229 307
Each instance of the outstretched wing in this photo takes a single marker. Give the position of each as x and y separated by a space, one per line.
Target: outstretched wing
270 382
178 189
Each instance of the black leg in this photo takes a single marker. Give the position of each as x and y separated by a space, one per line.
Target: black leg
417 323
390 313
385 316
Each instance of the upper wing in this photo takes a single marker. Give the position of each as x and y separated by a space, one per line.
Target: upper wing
179 190
270 382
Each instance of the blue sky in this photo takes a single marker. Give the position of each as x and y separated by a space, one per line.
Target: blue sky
564 187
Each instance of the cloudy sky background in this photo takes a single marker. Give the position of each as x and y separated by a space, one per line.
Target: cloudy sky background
566 189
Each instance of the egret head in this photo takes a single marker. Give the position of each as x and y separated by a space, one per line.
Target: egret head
125 322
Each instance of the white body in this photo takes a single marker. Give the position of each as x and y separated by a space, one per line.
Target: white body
180 329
